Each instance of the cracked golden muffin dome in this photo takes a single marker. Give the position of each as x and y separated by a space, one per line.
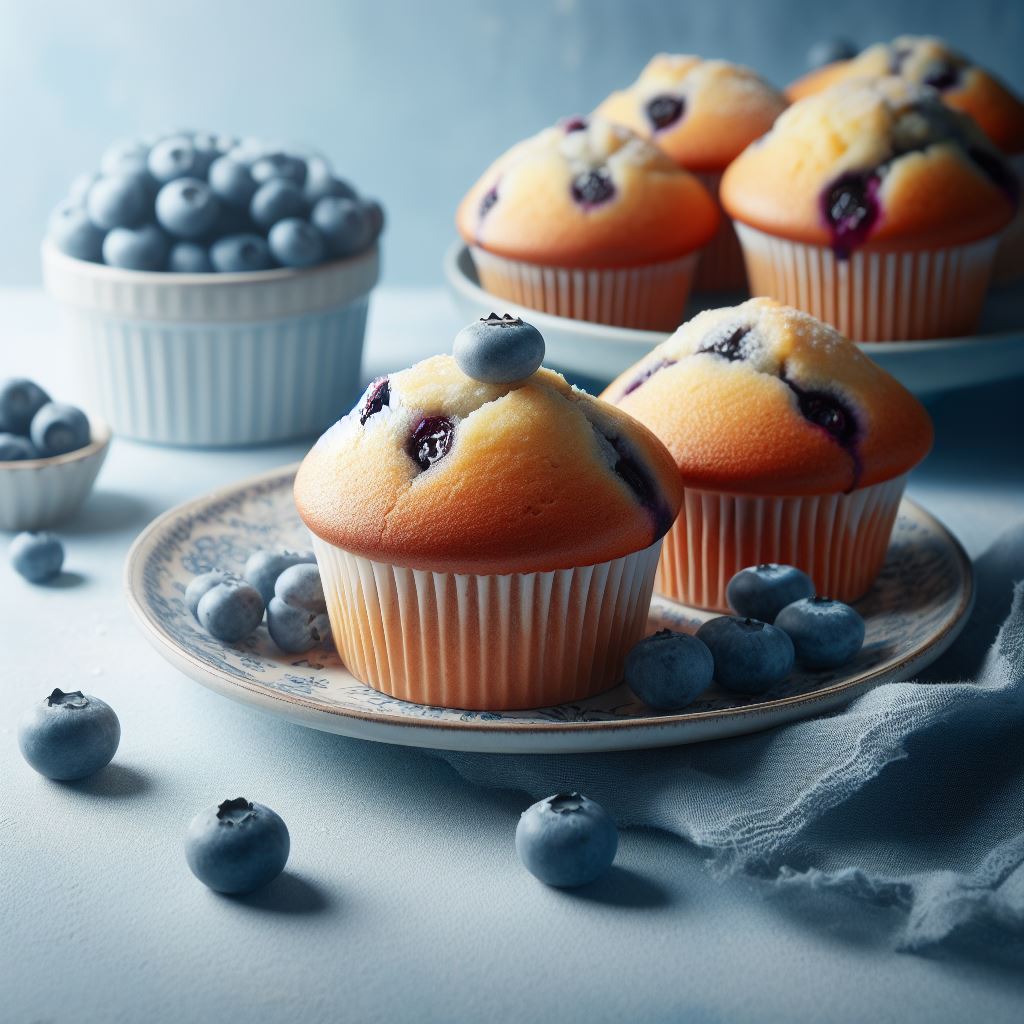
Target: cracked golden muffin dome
871 169
792 446
590 221
928 61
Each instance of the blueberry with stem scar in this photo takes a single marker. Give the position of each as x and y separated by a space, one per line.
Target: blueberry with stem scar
499 349
69 736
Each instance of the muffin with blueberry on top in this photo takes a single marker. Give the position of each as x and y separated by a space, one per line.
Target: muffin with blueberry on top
703 114
875 207
791 444
587 220
487 535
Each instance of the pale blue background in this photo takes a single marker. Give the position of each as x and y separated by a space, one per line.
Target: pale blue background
412 99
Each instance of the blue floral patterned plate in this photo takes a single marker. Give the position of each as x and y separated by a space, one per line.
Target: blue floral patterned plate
913 613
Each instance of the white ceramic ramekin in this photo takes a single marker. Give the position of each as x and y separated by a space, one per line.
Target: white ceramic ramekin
216 359
37 493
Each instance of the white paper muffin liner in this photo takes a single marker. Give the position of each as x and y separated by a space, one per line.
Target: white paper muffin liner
38 493
216 359
721 266
650 297
486 642
839 540
874 296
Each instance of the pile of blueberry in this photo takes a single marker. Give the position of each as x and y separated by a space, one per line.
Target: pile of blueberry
32 426
779 621
196 203
283 584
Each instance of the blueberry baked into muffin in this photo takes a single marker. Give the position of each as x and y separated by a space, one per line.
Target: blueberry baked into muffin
587 220
875 207
491 543
703 114
792 445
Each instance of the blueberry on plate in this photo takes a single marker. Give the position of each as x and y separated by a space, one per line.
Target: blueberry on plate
345 223
15 448
58 428
275 200
176 157
230 610
762 591
499 349
201 584
118 201
300 586
189 258
20 400
143 248
240 254
566 840
74 234
669 670
262 568
38 557
296 630
187 207
237 846
750 656
232 181
69 735
825 633
279 165
294 242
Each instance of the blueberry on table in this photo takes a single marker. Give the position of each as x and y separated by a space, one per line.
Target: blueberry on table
762 591
231 181
825 633
279 165
74 234
300 586
176 157
187 207
230 610
669 670
240 253
276 199
189 258
750 656
499 349
294 242
118 201
263 568
566 840
38 557
296 630
16 448
69 735
237 846
143 248
58 428
20 400
345 223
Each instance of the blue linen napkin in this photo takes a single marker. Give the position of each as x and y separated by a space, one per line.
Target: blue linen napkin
910 798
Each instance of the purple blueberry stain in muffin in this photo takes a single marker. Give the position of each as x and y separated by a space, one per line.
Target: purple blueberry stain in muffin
830 413
942 75
732 343
850 208
663 111
997 170
626 465
593 188
378 396
646 374
489 199
574 124
430 440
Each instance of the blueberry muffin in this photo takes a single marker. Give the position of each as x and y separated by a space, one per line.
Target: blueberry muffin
874 207
486 545
587 220
703 114
792 446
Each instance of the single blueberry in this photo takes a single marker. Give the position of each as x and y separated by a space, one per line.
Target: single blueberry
262 568
71 230
499 349
69 735
828 51
237 846
566 840
176 157
279 165
20 400
189 258
294 242
187 207
230 611
38 557
118 201
58 428
143 248
240 253
669 670
320 182
299 585
276 199
16 448
762 591
232 181
201 584
345 223
750 656
825 633
296 630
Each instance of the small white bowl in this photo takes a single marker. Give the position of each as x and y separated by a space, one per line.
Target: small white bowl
216 359
37 493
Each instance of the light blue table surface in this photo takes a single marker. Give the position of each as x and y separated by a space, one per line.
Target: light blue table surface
403 899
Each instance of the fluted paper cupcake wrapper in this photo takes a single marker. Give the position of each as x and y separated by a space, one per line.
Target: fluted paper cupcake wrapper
721 265
650 297
839 540
874 296
486 642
